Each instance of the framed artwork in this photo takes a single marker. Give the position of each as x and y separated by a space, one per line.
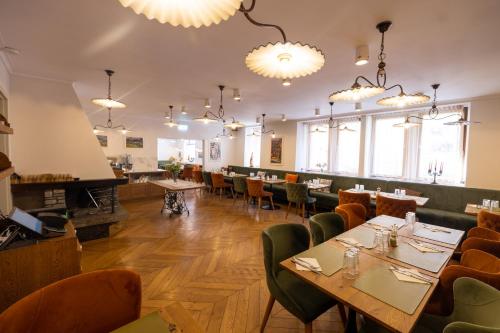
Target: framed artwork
276 150
215 151
134 142
103 140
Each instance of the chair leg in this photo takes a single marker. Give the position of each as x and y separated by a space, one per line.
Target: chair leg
314 208
232 192
272 203
309 327
303 212
343 315
259 203
269 307
220 193
288 209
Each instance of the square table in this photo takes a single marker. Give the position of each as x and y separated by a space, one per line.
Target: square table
342 289
421 201
473 209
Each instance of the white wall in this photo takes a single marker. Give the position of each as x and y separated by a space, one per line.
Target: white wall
287 131
483 162
52 133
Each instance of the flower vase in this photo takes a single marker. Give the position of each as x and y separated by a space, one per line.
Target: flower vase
175 175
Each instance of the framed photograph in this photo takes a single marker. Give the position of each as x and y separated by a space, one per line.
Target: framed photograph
134 142
215 153
276 150
103 140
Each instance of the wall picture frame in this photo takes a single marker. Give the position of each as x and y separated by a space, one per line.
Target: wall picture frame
134 142
276 150
103 140
215 151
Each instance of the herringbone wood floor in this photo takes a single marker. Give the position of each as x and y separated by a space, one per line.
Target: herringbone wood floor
210 262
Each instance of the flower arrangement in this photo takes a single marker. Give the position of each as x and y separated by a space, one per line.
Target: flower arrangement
174 166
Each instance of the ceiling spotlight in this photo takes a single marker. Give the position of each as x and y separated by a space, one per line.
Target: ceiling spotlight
317 112
236 95
207 103
109 102
358 106
11 50
362 55
283 118
183 110
286 82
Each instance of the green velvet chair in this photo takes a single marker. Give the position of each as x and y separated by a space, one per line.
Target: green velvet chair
476 310
305 302
207 179
325 226
298 194
240 187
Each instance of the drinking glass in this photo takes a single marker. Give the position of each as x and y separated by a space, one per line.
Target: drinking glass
387 238
410 219
379 241
397 191
252 174
486 203
494 204
350 267
356 187
403 192
361 187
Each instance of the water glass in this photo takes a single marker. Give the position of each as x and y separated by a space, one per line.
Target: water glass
351 264
403 193
494 204
356 187
387 239
252 174
361 187
410 220
275 177
379 242
397 192
486 203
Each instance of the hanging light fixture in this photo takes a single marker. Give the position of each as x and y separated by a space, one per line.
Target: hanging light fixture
282 60
171 122
262 130
406 124
234 125
210 117
332 122
109 102
358 92
462 121
192 13
109 126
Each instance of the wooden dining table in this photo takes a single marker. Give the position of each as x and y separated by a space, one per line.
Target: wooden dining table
421 201
342 289
473 209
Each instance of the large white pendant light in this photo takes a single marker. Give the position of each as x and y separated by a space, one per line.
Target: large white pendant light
171 122
109 102
187 13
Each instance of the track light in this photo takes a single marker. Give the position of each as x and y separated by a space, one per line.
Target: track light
317 112
207 103
286 82
358 106
362 55
236 95
283 118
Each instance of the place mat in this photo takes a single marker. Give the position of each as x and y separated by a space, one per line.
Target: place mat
329 257
429 261
382 284
387 221
151 323
365 236
453 237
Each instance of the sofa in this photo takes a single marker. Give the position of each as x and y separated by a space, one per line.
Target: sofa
445 207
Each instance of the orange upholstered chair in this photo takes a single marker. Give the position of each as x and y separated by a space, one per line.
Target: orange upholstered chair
394 207
353 214
197 176
486 219
364 199
219 183
475 264
483 239
187 172
96 302
255 188
291 178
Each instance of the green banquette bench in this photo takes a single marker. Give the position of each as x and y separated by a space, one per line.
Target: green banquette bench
445 207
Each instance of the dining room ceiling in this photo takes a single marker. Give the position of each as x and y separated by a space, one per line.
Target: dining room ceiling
453 42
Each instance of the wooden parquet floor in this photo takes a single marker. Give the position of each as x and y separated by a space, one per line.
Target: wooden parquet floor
210 262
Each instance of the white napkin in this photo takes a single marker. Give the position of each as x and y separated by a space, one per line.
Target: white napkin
348 242
407 278
313 262
423 248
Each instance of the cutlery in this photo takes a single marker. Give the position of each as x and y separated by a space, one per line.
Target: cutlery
305 264
349 242
426 246
436 229
410 274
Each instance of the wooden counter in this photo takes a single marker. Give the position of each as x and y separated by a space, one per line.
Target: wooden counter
26 269
137 190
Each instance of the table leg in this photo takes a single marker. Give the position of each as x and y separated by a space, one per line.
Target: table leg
268 206
351 326
174 203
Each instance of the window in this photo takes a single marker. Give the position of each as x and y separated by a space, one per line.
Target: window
252 147
388 147
347 148
441 144
318 145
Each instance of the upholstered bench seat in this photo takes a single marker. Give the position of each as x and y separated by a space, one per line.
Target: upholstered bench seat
445 218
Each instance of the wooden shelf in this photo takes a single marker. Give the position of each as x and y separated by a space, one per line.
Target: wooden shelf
6 129
6 173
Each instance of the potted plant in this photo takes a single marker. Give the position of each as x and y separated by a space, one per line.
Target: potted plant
174 167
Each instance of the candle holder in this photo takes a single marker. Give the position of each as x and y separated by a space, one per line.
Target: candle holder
434 172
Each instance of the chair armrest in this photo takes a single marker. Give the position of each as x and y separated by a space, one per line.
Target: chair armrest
481 261
461 327
485 245
453 272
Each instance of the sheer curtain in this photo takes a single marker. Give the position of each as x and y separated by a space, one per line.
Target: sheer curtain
318 144
388 147
347 148
252 147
